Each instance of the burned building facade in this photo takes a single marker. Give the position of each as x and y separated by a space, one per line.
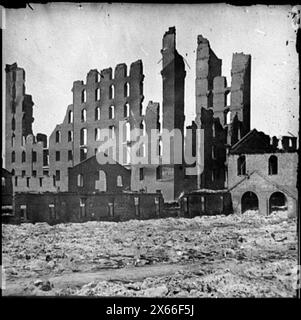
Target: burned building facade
114 101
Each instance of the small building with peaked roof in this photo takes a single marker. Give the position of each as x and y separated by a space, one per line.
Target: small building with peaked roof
262 173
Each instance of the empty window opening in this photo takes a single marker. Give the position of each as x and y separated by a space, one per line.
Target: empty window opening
58 136
249 201
83 136
34 173
241 165
80 180
159 173
126 110
13 157
97 113
34 156
41 182
126 89
84 96
228 117
84 115
27 182
70 116
23 173
160 148
277 202
57 156
97 94
228 99
101 183
57 175
119 181
97 134
111 92
141 174
83 154
127 132
70 136
16 181
111 112
70 155
45 173
112 132
23 156
13 124
273 165
54 182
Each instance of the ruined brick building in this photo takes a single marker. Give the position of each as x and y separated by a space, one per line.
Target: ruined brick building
106 99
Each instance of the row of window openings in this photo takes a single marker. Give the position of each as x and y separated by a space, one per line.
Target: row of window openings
272 165
126 92
126 113
97 132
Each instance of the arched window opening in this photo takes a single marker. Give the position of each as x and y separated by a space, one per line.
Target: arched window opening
119 181
126 110
111 92
58 136
70 116
80 180
97 94
84 115
13 157
112 132
127 132
23 156
97 113
273 165
126 89
249 201
97 134
84 96
111 112
241 165
83 136
277 202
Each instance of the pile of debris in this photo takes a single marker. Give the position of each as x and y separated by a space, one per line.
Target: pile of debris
239 255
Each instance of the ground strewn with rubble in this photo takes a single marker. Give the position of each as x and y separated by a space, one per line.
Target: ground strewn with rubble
211 256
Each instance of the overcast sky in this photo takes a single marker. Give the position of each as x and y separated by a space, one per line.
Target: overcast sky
57 44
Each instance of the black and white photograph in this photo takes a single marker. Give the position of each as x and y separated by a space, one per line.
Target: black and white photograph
150 151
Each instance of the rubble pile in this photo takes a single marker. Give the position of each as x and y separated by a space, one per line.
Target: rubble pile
238 255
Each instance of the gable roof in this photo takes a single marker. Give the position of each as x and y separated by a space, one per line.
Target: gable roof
253 142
